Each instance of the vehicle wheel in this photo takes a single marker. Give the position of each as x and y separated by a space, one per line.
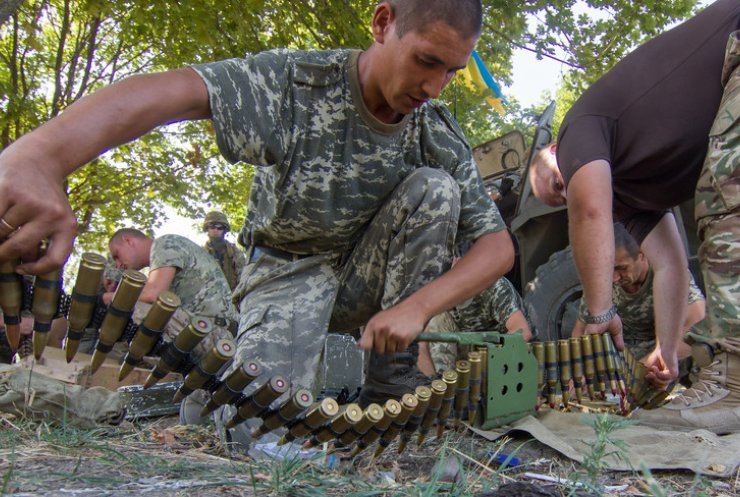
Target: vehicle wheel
551 298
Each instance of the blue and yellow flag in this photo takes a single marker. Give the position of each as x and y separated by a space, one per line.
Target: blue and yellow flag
480 81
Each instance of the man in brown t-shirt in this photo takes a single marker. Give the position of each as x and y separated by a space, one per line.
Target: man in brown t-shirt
632 147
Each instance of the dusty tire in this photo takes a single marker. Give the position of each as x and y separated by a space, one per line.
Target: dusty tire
551 298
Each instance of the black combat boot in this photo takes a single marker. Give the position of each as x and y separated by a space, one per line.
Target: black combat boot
389 376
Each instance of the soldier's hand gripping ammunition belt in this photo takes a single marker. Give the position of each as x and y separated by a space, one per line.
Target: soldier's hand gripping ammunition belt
11 300
149 332
175 355
118 314
257 403
207 369
273 419
83 301
230 389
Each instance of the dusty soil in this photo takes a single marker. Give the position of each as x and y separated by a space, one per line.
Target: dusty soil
161 458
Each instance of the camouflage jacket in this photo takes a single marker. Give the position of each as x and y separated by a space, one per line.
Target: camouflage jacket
199 281
231 259
332 164
489 310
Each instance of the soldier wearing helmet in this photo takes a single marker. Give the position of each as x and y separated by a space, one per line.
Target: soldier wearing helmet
229 256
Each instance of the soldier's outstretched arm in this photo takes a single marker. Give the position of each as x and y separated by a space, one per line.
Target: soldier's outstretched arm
33 206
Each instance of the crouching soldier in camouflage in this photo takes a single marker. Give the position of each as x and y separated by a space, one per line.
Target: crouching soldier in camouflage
229 256
182 267
632 293
362 186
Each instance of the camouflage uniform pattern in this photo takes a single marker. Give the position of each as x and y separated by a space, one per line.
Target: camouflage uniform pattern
637 312
199 282
717 205
231 259
487 311
356 214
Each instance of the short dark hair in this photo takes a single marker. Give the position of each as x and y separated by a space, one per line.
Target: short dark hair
126 232
623 240
464 16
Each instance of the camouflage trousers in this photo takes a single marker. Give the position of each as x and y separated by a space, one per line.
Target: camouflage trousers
290 303
717 205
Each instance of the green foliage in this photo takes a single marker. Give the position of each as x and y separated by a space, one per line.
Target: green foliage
54 52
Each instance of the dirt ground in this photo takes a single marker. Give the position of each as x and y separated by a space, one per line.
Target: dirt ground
161 458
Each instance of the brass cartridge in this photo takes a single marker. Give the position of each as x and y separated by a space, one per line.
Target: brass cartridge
476 377
314 418
230 389
149 331
176 352
391 409
439 388
423 395
589 370
281 416
609 358
46 290
207 368
117 316
350 414
600 361
371 416
259 401
566 372
84 300
408 405
576 359
11 300
538 350
551 366
450 379
462 391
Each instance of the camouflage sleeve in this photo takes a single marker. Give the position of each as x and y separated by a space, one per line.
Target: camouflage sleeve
171 251
694 291
240 260
478 213
247 98
501 301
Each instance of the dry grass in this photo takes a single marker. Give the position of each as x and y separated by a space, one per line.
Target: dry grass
161 458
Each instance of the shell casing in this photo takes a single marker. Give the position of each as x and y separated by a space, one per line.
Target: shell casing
231 388
439 388
207 368
476 377
462 390
589 371
315 417
260 400
281 416
566 372
408 405
483 351
450 378
46 290
177 351
391 409
610 359
576 359
350 414
83 301
538 350
118 313
370 416
423 395
551 368
600 361
11 300
150 330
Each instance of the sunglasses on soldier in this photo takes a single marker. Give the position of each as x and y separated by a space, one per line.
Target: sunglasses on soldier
216 226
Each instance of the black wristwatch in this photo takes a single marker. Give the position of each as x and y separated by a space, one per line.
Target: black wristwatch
601 318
